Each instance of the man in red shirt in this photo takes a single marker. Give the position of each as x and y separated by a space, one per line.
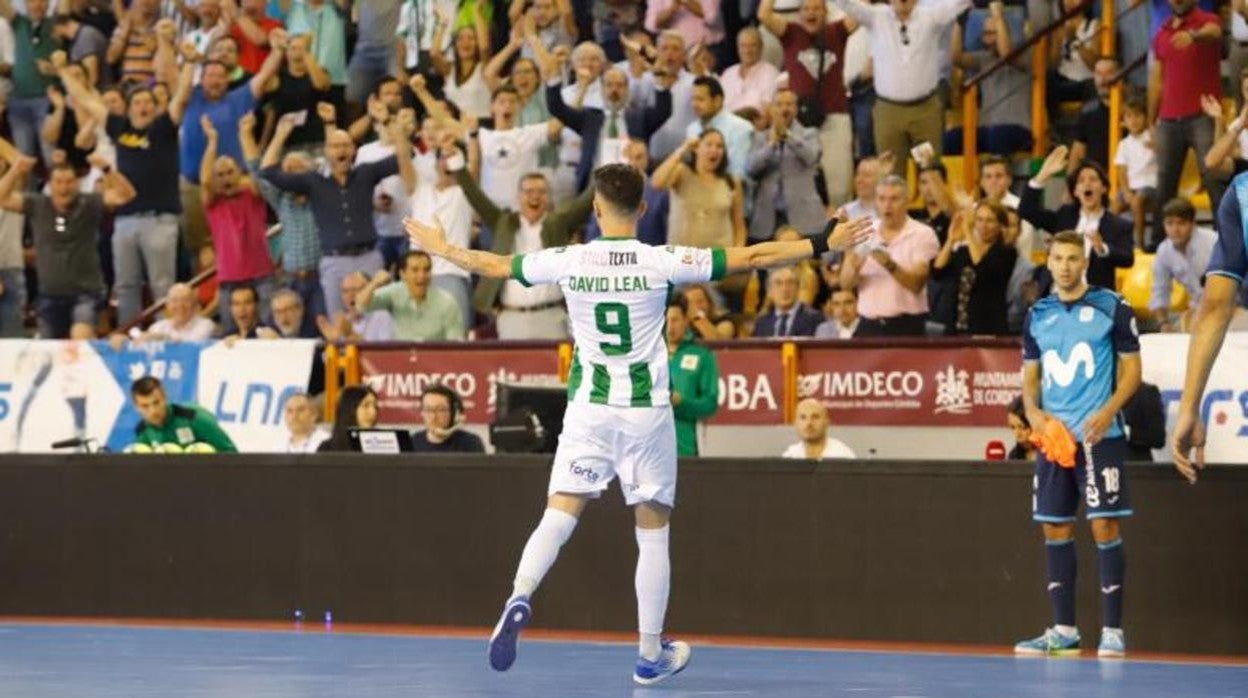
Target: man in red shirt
1188 47
250 28
812 43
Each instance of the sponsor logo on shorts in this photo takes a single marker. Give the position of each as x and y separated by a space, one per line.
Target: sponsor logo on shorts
584 472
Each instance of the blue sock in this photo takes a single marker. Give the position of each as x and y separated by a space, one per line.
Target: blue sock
1061 554
1112 563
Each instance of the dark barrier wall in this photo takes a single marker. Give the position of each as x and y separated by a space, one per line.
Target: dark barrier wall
892 551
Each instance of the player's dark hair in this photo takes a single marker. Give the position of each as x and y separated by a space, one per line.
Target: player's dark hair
621 187
145 386
1179 207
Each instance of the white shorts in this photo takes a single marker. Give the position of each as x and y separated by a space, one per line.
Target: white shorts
600 442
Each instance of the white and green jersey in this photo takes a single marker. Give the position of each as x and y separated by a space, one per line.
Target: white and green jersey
616 290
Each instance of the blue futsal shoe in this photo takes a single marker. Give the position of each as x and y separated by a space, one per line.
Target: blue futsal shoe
515 617
1113 644
1051 643
672 660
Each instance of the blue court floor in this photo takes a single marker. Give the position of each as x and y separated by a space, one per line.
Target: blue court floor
38 661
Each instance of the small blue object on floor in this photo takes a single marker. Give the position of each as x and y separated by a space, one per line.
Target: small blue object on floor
38 661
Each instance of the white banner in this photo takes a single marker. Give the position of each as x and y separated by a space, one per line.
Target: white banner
1225 403
246 387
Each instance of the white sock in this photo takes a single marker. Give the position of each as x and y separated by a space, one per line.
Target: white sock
654 573
1067 630
540 552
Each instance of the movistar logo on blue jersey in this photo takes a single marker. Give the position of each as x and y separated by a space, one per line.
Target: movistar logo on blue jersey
1063 372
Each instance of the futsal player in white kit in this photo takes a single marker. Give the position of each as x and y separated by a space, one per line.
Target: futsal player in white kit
619 422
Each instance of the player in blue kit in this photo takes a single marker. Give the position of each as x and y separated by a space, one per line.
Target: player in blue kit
1228 267
1081 364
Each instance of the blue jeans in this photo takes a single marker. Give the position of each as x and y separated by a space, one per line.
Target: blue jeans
143 242
1174 138
309 289
12 302
58 313
265 287
26 115
367 66
1001 139
392 249
860 104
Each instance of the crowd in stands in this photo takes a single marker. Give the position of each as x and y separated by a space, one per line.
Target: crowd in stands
150 141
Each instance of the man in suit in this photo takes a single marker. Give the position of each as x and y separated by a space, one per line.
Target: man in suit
783 160
1109 239
788 316
524 312
604 132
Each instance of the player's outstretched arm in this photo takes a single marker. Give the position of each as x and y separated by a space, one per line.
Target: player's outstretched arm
432 239
776 254
1217 306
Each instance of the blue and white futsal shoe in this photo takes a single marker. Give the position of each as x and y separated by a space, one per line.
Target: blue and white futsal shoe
672 660
1051 643
1113 644
515 617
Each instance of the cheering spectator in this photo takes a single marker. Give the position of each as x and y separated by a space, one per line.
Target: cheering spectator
145 232
442 412
1107 237
551 21
353 324
708 105
841 311
391 193
867 175
1075 47
244 318
208 14
32 74
12 274
324 23
357 409
463 72
605 132
443 200
891 269
1137 164
1229 154
906 54
1186 46
374 55
134 43
289 316
1183 257
1092 132
250 27
224 106
615 19
237 220
421 312
224 50
706 314
342 202
860 84
708 204
166 423
814 58
668 74
699 21
300 416
506 152
783 162
65 224
652 226
788 316
87 47
695 378
300 246
753 81
937 213
980 263
300 85
812 429
535 312
417 21
182 321
1005 94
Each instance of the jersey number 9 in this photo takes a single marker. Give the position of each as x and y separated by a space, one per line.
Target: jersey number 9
612 319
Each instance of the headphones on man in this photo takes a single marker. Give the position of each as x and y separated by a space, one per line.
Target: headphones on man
457 406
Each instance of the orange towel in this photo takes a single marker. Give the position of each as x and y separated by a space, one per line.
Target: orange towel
1056 443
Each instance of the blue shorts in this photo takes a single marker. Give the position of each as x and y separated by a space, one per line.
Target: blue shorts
1102 485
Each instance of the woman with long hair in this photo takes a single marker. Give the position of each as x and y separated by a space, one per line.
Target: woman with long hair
463 72
980 263
357 408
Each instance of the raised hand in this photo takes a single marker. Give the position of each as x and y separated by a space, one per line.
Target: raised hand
190 53
1212 106
25 164
210 130
381 278
846 234
1054 163
430 238
98 161
327 113
55 97
418 83
286 125
59 59
279 39
166 30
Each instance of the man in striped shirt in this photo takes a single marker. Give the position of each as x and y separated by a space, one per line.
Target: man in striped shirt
622 422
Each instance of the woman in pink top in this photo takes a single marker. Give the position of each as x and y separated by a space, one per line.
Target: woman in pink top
238 220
